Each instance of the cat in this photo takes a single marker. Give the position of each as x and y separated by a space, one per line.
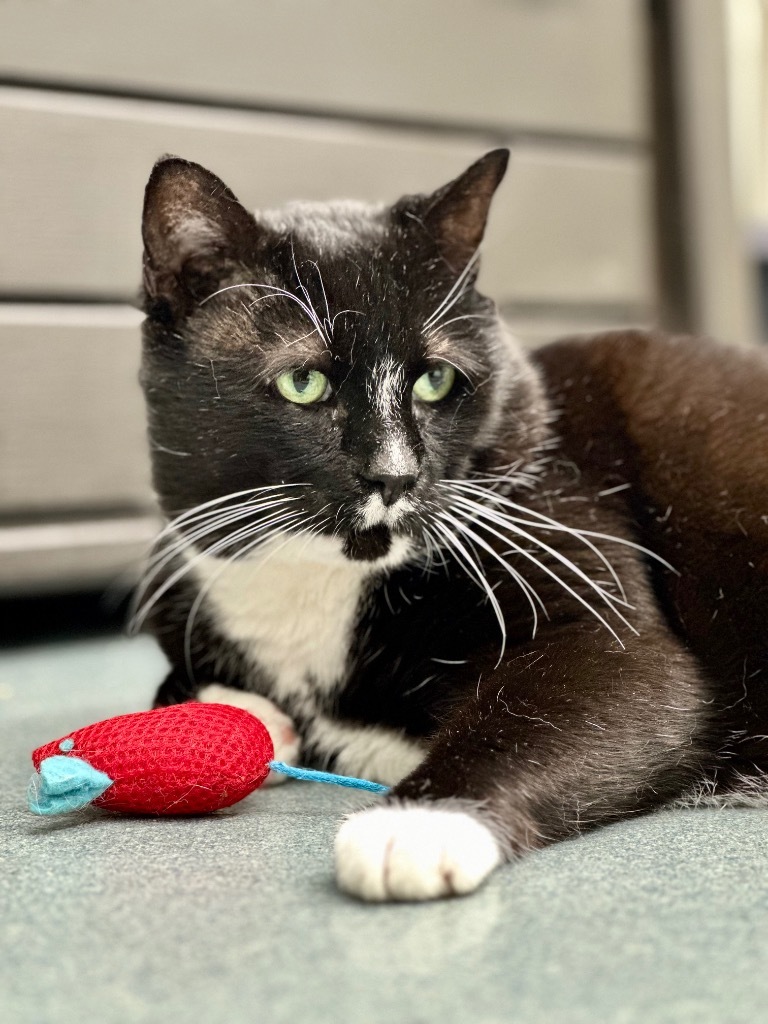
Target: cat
528 590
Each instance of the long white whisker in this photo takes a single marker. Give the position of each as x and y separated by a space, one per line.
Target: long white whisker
191 512
466 316
308 300
530 593
293 535
179 541
307 309
194 609
357 312
205 589
512 522
210 520
453 295
554 523
327 321
161 555
169 551
489 515
144 611
558 579
432 548
474 572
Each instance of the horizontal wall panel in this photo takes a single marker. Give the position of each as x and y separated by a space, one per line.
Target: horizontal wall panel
572 228
45 557
567 225
72 429
575 66
533 332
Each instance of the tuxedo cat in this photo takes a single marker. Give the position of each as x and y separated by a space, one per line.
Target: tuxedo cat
528 590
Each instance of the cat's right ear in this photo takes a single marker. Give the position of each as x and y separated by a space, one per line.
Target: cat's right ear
194 232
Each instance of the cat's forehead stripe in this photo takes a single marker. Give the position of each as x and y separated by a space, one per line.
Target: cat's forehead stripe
385 387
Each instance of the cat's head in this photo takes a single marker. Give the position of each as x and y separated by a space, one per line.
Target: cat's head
338 353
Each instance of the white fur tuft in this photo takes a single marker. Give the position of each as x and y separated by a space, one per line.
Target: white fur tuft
293 608
413 853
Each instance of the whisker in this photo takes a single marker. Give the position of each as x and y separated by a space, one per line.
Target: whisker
465 316
216 521
221 545
307 309
205 589
513 521
327 320
454 294
529 591
475 573
434 549
308 300
182 517
577 532
558 579
503 521
162 557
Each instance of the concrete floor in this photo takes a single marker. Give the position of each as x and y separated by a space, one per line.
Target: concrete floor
234 917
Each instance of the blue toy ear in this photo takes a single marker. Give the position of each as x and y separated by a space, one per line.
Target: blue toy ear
65 784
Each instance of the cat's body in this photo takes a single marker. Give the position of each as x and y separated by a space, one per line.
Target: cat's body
392 539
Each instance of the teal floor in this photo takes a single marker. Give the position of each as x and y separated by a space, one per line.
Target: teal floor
234 918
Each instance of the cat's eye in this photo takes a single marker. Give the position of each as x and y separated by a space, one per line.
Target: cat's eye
435 384
303 386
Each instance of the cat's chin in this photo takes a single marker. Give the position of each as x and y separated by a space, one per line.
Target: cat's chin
368 545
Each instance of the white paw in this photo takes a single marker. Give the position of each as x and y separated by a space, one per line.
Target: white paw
281 729
413 853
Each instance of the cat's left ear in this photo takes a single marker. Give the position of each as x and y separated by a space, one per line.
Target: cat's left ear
195 231
457 213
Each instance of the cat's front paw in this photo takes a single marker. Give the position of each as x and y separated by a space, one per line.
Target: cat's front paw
280 727
413 852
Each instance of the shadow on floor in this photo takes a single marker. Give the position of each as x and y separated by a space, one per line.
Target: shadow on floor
39 619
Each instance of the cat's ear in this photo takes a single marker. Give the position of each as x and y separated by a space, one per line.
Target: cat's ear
456 214
194 230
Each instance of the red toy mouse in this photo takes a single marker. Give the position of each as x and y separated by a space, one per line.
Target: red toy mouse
185 759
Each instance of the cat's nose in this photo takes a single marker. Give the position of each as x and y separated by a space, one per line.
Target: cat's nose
392 487
393 468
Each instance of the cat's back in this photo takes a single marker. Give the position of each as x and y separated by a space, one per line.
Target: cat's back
691 417
683 424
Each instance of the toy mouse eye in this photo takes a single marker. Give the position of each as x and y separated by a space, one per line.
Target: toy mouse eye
435 384
304 387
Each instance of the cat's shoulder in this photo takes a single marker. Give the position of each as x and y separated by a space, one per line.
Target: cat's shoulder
635 368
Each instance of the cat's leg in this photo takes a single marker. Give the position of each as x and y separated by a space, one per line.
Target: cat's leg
579 737
372 752
283 733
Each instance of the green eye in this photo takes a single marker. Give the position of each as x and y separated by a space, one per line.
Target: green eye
435 383
303 386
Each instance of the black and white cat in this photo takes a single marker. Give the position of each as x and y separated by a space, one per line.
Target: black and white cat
423 556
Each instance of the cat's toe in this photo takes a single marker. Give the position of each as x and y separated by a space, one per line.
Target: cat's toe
413 853
280 727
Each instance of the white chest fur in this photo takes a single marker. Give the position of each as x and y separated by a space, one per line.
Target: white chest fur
293 609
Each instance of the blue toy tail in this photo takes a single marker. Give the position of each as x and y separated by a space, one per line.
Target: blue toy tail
65 784
68 783
339 780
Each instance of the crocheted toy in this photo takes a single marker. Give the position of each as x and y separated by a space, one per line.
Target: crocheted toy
185 759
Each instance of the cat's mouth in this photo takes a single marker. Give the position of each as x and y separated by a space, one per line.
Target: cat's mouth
368 545
376 525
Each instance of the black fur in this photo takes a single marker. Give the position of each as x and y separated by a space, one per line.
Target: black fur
577 724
